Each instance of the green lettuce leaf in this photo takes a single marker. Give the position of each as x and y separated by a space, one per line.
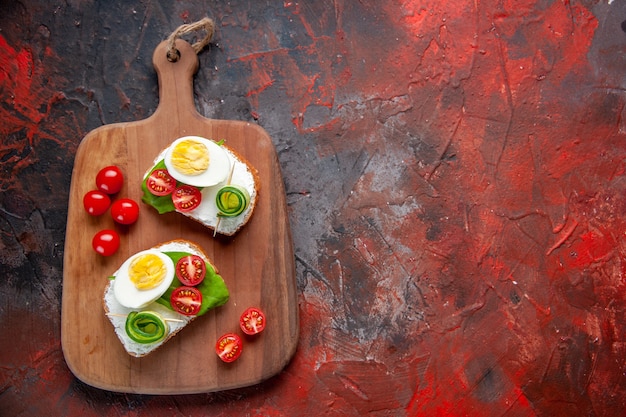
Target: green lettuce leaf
212 287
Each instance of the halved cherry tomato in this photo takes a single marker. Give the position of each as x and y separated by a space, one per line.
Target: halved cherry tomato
106 242
110 179
229 347
186 198
186 300
252 321
160 182
96 202
125 211
190 270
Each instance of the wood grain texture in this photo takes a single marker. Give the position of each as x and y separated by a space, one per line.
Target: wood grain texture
257 264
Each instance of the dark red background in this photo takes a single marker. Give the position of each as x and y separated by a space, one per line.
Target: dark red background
456 178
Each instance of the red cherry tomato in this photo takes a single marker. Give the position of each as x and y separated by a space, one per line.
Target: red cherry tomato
252 321
106 242
110 179
125 211
190 270
96 202
186 198
160 182
186 300
229 347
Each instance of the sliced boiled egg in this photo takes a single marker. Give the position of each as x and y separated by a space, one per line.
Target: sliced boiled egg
143 278
197 161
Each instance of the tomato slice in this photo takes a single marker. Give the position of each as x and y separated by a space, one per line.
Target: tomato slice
160 182
252 321
110 179
229 347
186 198
190 270
186 300
96 202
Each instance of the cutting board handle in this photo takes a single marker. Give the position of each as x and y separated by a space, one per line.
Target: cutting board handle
175 81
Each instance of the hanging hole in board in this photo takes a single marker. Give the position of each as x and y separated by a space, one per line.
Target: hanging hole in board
173 55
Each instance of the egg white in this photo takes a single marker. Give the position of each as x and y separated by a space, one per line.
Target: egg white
128 295
217 171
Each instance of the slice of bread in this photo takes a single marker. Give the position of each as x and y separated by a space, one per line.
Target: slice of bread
117 313
243 174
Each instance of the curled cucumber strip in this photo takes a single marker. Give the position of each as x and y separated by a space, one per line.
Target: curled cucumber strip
146 326
232 200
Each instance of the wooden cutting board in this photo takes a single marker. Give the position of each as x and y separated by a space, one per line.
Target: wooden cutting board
257 264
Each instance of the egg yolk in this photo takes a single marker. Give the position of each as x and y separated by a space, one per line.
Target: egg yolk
190 157
147 271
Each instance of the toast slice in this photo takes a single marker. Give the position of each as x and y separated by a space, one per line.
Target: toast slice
118 313
242 174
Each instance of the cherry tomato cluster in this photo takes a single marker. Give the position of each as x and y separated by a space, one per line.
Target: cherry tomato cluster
230 345
184 197
190 271
109 181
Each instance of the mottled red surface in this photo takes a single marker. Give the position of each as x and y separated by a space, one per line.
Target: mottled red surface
456 175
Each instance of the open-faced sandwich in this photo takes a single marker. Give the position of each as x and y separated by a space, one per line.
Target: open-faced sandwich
204 180
155 293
